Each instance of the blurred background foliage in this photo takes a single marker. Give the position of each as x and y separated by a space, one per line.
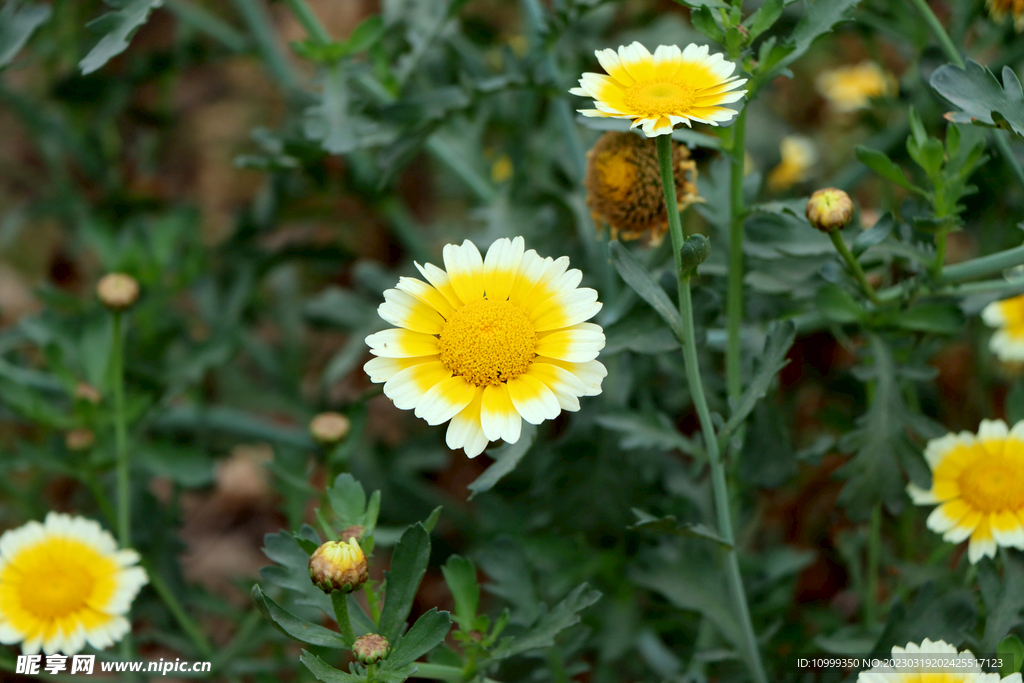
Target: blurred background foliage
265 184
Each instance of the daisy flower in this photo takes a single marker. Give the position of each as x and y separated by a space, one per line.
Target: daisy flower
64 583
489 342
1008 316
976 484
662 90
798 157
951 666
1000 8
849 88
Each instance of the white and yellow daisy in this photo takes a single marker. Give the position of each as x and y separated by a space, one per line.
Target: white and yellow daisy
662 90
489 342
849 88
976 482
932 661
1008 317
64 583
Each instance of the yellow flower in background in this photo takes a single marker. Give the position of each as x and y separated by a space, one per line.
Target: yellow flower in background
489 342
850 88
976 481
798 157
956 667
662 90
1000 8
64 583
623 183
1008 317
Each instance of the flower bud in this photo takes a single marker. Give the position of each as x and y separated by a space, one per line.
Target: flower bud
339 566
79 439
117 291
88 393
371 648
829 209
329 428
694 251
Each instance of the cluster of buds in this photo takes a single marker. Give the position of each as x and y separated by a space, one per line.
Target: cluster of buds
339 566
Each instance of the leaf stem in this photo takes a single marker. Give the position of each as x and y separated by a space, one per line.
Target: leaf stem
301 11
340 601
721 493
124 528
851 261
940 252
176 609
939 32
734 296
871 583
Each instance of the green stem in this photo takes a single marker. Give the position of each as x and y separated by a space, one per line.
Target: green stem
262 28
340 602
851 261
940 253
939 32
721 493
124 528
203 20
871 584
442 672
371 601
309 21
1004 148
734 296
176 609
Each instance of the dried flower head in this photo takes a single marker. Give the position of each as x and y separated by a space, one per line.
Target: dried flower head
623 183
117 291
829 209
329 428
371 648
339 566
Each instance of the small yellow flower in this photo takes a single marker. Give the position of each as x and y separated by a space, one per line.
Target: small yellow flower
64 583
1000 8
798 157
662 90
850 88
623 182
1008 317
914 664
491 342
339 566
976 483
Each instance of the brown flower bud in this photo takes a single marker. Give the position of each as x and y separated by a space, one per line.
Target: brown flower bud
117 291
623 183
338 566
829 209
79 439
371 648
329 428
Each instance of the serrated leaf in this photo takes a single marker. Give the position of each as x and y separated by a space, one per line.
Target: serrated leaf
427 633
17 25
950 617
408 565
294 627
938 318
980 96
781 336
836 305
642 430
542 633
323 671
460 575
670 525
348 500
329 121
704 21
764 18
636 276
1006 604
293 572
505 460
118 27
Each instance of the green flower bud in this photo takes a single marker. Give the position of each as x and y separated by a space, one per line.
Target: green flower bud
371 648
829 209
694 251
339 566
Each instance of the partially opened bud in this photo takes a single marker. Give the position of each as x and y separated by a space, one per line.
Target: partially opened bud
329 428
117 291
339 566
829 209
371 648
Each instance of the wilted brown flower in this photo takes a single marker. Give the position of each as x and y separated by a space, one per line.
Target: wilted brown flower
623 183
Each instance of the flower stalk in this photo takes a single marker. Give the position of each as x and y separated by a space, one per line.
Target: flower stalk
855 267
734 295
124 528
721 493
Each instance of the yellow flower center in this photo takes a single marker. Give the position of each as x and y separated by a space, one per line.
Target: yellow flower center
488 342
659 99
992 483
58 577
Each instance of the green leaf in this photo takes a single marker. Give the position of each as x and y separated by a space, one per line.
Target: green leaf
117 27
348 500
981 98
1011 651
781 336
408 565
938 318
542 633
325 672
328 122
837 306
431 521
950 617
294 627
189 467
427 633
670 525
505 460
293 572
645 430
637 277
17 26
365 35
876 234
460 575
882 165
697 4
230 421
703 19
1004 604
764 18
